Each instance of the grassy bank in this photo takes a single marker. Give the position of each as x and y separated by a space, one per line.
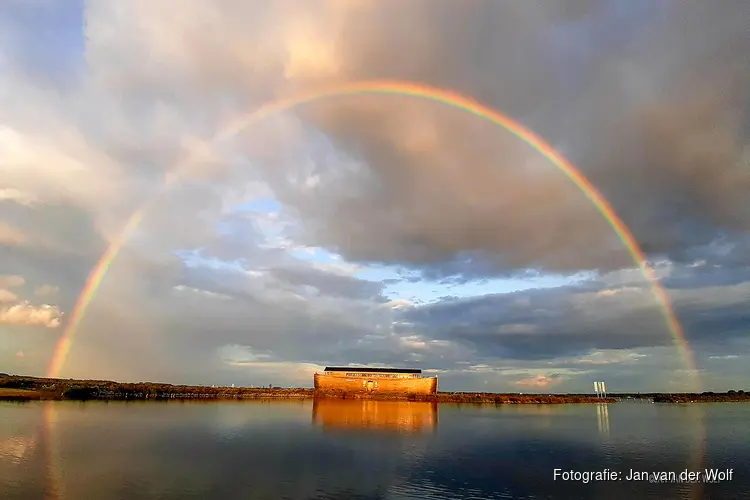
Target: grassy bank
705 397
18 388
8 394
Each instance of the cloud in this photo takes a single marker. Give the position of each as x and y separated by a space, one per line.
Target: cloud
17 196
609 357
538 382
724 357
410 156
11 281
327 282
10 235
7 296
26 314
16 311
198 291
572 320
46 290
517 328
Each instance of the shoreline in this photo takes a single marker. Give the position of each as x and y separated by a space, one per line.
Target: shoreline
20 388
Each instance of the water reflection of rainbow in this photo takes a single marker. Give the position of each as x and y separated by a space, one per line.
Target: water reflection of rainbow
398 416
54 480
398 88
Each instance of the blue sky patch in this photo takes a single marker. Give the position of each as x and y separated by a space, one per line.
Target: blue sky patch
48 40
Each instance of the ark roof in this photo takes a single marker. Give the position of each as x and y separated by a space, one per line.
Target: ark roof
364 369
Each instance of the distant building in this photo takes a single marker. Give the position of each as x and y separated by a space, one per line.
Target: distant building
363 379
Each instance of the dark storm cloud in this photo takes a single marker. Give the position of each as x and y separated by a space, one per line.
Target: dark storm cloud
706 273
659 123
568 321
655 113
648 99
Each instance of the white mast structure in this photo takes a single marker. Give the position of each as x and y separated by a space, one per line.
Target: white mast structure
600 389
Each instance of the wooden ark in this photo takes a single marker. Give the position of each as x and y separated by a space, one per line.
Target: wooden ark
380 380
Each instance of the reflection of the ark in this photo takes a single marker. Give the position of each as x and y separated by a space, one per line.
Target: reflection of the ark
394 416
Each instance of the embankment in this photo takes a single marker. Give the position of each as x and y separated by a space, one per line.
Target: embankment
19 388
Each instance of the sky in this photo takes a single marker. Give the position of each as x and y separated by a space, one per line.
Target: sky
376 230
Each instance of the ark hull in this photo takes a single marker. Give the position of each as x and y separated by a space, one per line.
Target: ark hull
426 385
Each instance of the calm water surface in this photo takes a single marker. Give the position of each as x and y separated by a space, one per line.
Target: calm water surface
363 450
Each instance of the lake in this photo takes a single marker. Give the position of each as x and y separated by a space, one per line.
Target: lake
342 449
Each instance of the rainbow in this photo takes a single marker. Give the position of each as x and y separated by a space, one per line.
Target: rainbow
93 281
398 88
55 483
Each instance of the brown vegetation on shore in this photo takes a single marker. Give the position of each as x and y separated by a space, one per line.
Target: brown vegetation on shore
17 388
704 397
69 389
8 394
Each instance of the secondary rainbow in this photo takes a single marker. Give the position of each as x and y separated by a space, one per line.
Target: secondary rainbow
399 88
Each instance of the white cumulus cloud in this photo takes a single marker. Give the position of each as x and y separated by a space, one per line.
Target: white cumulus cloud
24 313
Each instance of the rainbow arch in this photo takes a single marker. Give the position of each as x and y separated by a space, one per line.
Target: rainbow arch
397 88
